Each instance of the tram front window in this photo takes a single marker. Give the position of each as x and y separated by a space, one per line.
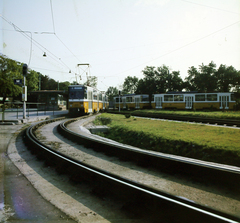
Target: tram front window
77 92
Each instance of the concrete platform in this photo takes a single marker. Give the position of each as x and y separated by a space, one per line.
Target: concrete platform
99 128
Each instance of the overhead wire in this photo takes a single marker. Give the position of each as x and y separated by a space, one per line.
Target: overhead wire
40 46
23 33
37 44
204 37
58 36
52 16
210 7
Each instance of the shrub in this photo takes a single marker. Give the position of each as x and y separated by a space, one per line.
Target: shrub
103 120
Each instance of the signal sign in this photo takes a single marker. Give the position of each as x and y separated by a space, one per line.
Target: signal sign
18 81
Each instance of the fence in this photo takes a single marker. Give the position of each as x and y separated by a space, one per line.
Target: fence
17 109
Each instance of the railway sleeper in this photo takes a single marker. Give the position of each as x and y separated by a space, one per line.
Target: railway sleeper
184 168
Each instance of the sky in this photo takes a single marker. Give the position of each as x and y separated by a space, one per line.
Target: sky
119 38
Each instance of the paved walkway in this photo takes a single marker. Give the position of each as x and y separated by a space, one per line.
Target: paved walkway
19 201
16 116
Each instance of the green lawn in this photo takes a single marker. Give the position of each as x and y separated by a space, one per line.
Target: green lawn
216 144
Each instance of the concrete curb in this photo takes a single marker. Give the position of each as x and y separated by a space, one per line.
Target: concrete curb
53 194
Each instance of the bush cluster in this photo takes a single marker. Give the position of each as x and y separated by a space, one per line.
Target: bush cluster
103 120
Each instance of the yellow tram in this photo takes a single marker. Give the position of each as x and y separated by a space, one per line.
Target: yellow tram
84 99
178 100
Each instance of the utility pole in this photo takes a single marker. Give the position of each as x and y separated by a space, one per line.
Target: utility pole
24 89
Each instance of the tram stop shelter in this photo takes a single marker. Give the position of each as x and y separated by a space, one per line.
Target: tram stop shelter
51 99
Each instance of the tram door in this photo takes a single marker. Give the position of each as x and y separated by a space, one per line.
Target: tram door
90 101
188 102
124 102
137 102
158 101
224 101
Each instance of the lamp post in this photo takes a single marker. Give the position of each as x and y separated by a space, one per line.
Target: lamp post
24 89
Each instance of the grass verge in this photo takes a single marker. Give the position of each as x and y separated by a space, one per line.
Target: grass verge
204 114
203 142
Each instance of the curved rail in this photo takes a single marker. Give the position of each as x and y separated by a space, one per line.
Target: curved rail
228 176
185 118
152 196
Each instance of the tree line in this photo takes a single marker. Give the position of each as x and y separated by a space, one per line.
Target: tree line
11 69
207 78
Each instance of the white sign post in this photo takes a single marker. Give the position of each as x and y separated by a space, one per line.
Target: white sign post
24 88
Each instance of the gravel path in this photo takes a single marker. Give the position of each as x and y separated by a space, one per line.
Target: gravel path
202 194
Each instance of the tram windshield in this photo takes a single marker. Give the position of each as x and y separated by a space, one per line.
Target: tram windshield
77 92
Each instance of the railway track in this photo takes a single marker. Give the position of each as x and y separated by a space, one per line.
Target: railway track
183 210
227 176
213 121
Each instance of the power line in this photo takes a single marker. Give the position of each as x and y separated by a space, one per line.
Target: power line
37 44
52 16
58 36
210 7
204 37
58 71
67 47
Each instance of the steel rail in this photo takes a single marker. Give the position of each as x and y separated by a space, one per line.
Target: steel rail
66 132
212 172
124 186
176 117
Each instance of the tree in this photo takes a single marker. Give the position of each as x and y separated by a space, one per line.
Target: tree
74 83
159 80
91 81
147 85
168 81
111 92
130 85
226 78
32 80
44 82
9 70
190 81
64 85
237 82
203 80
208 77
52 84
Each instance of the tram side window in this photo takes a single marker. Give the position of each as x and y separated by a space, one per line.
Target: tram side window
178 97
145 98
100 97
85 93
200 97
211 97
129 99
89 95
94 96
232 97
117 99
168 97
